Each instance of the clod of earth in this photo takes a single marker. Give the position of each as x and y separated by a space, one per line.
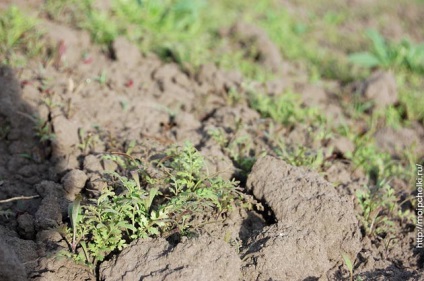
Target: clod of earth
315 226
156 259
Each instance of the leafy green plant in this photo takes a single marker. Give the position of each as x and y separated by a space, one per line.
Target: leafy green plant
131 208
108 222
391 55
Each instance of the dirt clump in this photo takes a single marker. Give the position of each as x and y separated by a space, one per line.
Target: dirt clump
125 53
73 182
315 225
11 268
395 141
267 53
156 259
54 268
381 88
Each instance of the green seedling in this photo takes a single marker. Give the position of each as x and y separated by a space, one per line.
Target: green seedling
51 103
391 55
349 265
301 156
44 130
380 208
88 140
102 78
238 147
75 215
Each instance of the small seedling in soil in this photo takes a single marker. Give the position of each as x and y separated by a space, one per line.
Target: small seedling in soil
102 78
391 55
349 265
380 210
44 131
75 215
43 128
88 140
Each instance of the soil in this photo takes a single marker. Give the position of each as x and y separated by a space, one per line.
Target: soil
309 218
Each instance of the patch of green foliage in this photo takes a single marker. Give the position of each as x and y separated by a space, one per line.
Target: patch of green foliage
410 95
388 55
295 43
101 28
380 208
301 156
286 109
148 206
18 33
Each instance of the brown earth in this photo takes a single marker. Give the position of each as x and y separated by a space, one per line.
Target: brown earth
308 222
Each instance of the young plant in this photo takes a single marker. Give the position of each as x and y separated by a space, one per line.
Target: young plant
301 156
380 208
43 130
88 140
349 265
132 208
391 55
286 109
75 216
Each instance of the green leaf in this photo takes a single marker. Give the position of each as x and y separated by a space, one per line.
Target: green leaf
365 59
74 210
379 44
126 225
148 201
348 262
